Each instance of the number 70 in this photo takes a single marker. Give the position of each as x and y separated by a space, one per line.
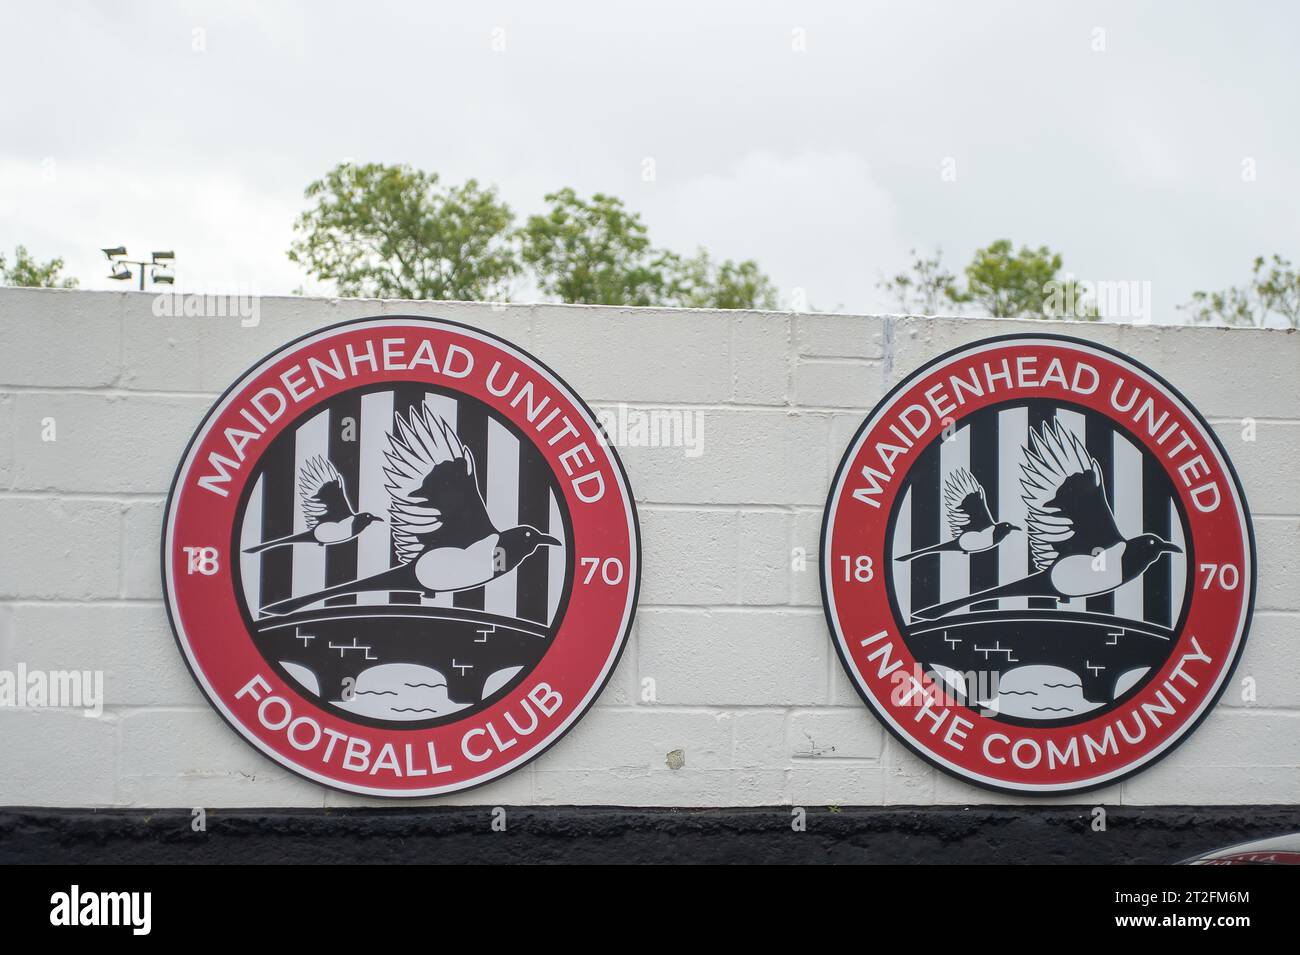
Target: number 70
611 569
1226 575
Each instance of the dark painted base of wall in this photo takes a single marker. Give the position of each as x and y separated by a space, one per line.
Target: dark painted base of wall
976 834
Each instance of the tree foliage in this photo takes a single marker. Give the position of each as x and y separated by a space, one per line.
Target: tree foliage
1271 298
596 252
593 252
1024 284
701 282
29 273
1000 282
927 288
396 232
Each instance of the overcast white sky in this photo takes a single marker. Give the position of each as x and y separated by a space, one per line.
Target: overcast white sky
825 165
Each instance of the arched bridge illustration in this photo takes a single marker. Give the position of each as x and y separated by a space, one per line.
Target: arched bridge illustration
1100 648
336 643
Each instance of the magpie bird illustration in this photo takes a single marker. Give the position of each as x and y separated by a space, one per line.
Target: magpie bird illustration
441 529
325 505
969 521
1077 548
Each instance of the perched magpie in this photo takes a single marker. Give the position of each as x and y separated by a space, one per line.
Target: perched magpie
1077 548
441 529
330 518
969 520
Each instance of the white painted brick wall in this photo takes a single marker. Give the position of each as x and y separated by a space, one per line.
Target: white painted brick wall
732 640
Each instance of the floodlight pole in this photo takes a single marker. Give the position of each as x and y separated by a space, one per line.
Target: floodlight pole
139 265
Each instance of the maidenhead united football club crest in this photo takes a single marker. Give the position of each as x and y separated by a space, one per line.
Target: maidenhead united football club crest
400 558
1037 564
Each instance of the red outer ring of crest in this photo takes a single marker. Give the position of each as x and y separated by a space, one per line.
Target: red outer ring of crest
215 643
1220 621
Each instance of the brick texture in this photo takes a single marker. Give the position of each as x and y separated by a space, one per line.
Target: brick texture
730 661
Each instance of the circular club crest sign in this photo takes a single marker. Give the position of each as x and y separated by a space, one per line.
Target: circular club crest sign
1037 564
400 558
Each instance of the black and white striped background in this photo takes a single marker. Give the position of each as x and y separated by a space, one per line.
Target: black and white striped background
989 443
514 480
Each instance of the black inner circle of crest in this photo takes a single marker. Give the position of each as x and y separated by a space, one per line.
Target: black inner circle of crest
405 555
1038 562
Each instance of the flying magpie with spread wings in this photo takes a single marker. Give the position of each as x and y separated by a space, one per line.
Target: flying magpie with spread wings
1077 548
325 505
441 528
969 521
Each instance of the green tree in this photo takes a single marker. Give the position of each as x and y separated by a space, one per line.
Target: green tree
596 252
593 252
927 288
395 232
1000 282
29 273
700 282
1274 291
1025 284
